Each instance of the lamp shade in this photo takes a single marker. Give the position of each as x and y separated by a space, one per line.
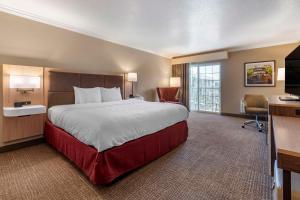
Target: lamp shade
281 74
132 77
174 81
24 82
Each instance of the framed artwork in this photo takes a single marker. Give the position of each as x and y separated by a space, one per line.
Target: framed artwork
260 74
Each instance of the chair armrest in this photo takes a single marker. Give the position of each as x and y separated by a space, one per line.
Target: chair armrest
266 103
243 106
177 99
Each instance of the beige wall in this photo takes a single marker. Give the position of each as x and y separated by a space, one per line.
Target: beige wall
25 42
233 74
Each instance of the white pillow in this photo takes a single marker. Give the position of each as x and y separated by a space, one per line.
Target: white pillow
111 94
87 95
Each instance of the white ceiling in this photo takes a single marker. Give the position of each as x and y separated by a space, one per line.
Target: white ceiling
171 27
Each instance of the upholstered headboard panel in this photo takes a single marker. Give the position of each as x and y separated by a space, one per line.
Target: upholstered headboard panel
59 85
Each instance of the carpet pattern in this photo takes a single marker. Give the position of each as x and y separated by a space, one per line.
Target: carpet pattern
220 160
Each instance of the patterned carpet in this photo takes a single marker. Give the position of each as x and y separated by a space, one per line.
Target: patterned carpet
220 160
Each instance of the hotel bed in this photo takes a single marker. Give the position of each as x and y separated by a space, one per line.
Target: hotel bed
106 140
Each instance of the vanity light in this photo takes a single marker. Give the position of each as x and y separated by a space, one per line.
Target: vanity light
23 83
281 74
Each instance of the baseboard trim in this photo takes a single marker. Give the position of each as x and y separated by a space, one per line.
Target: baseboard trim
20 145
237 115
244 116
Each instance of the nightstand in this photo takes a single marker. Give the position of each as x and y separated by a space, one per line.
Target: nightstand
24 110
137 97
23 122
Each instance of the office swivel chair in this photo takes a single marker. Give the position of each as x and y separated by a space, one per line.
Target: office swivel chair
255 105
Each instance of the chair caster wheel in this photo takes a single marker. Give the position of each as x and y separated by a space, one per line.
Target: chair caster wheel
243 126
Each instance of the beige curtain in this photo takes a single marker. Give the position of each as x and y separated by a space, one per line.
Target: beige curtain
182 71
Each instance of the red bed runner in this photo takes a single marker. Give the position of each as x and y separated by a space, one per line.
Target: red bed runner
104 167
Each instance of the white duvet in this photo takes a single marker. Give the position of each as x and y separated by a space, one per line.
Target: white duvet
109 124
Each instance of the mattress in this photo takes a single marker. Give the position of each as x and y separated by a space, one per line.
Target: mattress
110 124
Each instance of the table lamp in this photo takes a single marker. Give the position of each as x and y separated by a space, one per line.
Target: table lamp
132 77
175 82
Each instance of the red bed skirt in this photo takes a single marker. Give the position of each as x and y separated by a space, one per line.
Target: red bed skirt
104 167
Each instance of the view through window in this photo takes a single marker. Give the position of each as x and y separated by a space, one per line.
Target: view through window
205 87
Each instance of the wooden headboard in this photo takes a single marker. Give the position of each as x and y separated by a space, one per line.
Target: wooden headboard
59 85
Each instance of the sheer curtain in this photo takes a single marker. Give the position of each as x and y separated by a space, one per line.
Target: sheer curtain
205 87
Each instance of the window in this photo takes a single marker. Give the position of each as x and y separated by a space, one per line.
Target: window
205 87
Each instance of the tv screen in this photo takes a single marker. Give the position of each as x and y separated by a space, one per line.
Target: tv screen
292 77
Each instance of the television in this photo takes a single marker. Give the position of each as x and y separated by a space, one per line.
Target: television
292 73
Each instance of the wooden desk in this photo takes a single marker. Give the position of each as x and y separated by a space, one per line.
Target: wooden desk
287 145
283 108
285 139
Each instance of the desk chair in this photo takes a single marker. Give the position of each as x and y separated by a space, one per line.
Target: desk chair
255 105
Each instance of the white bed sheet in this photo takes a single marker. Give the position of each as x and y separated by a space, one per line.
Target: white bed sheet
109 124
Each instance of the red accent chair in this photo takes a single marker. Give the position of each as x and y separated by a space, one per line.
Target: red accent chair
169 95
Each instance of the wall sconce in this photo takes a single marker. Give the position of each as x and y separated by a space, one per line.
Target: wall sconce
132 77
175 82
23 83
281 74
